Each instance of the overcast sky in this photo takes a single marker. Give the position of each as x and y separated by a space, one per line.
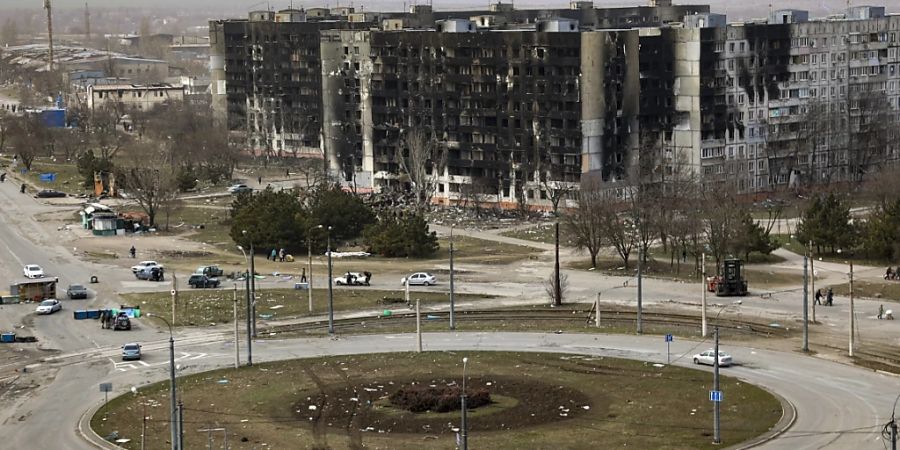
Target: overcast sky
735 10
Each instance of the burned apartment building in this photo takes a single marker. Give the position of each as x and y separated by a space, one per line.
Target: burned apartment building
521 97
791 102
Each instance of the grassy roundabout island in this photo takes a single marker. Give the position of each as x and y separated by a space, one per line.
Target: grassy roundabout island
525 400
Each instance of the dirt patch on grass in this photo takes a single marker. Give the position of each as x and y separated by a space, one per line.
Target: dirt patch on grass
521 404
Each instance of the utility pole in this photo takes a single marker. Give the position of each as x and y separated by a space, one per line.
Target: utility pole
252 290
330 288
309 266
717 438
703 295
640 327
249 334
418 327
852 317
812 279
893 434
452 292
805 304
174 295
557 288
597 306
237 350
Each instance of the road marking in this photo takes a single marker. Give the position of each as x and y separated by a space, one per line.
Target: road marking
125 366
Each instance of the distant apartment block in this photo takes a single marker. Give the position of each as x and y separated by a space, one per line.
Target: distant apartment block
522 97
133 96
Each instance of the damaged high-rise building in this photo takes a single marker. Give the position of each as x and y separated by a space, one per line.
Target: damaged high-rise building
513 99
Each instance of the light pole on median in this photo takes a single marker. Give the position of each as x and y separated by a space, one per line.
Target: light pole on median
309 263
174 405
464 435
247 291
330 287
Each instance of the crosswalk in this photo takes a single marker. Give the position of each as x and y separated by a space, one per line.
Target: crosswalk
124 366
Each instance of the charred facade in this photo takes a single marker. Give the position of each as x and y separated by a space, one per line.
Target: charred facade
519 98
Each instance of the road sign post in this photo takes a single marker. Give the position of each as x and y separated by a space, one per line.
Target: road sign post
105 388
669 339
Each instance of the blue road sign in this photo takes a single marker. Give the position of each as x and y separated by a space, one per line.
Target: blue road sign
48 177
669 338
715 396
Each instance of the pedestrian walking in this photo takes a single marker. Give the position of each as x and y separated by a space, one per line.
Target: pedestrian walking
880 312
272 254
818 297
133 251
829 298
259 179
303 276
281 254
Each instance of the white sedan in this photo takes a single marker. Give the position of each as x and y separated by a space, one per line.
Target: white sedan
49 306
33 271
143 265
707 358
420 278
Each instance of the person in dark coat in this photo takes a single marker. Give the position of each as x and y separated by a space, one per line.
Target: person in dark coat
818 297
829 298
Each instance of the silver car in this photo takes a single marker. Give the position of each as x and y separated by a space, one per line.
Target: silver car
131 351
420 278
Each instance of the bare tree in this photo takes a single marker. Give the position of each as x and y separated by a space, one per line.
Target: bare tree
585 223
423 160
27 136
150 181
551 289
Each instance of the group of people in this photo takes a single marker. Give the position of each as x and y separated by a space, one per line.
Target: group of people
828 296
892 274
277 255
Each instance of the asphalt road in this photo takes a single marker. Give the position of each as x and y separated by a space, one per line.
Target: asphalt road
838 406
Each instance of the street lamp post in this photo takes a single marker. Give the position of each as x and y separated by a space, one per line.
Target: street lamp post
805 304
464 432
247 291
717 438
330 287
173 401
309 264
852 316
640 292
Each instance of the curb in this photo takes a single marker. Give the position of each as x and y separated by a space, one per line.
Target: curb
788 417
87 433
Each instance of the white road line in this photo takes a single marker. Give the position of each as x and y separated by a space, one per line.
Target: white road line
144 364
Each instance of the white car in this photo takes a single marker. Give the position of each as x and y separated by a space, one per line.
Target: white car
420 278
33 271
144 265
707 358
49 306
353 279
